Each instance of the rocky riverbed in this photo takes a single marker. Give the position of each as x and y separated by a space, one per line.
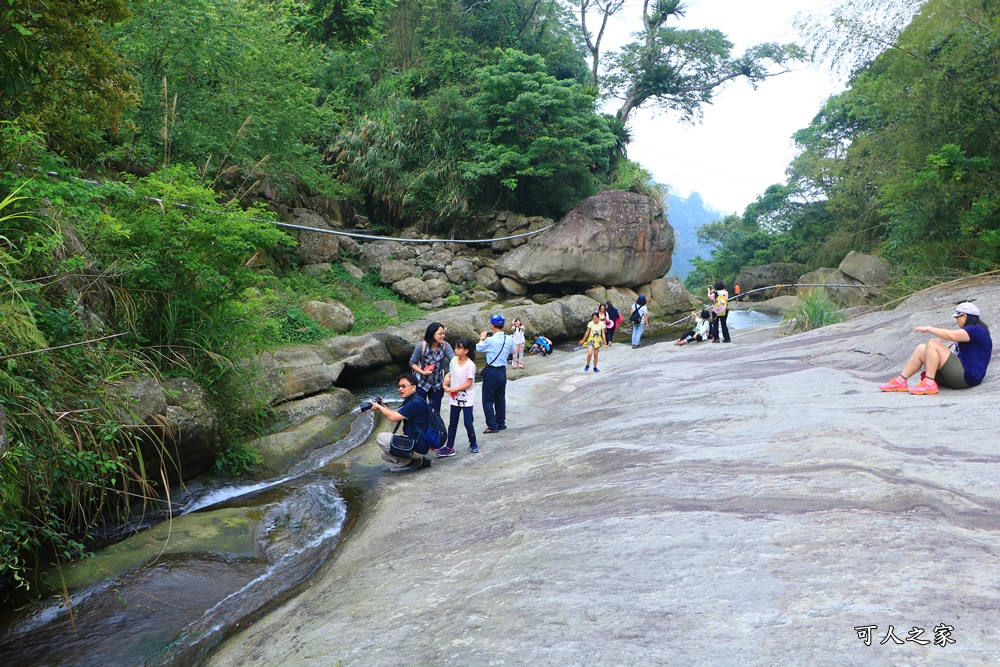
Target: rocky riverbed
751 504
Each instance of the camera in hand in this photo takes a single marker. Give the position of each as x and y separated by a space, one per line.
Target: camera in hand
367 405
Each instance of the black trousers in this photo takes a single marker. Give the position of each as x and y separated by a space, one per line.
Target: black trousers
495 397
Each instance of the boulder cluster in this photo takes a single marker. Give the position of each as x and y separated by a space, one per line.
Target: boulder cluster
858 277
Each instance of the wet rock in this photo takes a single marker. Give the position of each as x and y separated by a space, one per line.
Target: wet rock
192 436
781 486
278 451
227 532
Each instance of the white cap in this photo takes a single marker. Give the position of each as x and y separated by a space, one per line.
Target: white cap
966 308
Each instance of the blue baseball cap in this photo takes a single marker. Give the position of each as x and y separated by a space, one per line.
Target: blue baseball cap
497 320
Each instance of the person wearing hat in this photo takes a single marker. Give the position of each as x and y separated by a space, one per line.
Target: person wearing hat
965 368
496 346
640 312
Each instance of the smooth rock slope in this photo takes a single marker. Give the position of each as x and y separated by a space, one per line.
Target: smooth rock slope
744 504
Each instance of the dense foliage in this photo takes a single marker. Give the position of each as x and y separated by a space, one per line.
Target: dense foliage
904 163
419 112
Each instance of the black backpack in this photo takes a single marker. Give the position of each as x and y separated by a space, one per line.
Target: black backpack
434 437
635 317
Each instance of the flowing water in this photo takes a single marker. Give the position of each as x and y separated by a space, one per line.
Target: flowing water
169 594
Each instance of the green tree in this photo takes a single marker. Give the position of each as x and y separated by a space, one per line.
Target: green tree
542 139
223 82
58 74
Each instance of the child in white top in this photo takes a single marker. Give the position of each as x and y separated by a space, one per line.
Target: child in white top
460 385
517 333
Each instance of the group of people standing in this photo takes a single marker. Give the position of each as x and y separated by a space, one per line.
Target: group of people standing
437 369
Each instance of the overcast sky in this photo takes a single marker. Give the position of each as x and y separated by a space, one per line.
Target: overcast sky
744 142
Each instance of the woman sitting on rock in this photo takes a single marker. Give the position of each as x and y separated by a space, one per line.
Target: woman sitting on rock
965 368
699 332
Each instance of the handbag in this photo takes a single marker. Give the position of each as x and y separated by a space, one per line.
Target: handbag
401 446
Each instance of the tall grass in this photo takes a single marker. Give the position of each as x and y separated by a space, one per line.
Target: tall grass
812 311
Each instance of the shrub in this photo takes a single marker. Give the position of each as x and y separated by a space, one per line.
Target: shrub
812 311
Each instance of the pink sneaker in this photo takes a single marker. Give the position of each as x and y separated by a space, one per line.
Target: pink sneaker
895 384
926 386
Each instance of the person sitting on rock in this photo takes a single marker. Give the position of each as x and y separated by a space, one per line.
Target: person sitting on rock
414 412
965 368
542 346
699 332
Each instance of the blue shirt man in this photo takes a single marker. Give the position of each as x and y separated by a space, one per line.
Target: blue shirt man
495 347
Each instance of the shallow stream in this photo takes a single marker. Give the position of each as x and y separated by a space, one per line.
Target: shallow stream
168 594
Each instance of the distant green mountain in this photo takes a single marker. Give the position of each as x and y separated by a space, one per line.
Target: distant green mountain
685 215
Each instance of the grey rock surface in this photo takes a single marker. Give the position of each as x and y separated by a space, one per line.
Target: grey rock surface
867 269
330 314
611 238
743 504
414 290
313 247
193 431
765 275
846 296
393 270
333 403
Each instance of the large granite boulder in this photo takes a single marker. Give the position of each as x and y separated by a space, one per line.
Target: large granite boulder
868 269
314 247
765 275
672 296
359 353
488 279
612 238
414 290
330 314
393 270
836 279
460 271
333 403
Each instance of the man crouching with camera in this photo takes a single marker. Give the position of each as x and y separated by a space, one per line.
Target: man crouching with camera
413 414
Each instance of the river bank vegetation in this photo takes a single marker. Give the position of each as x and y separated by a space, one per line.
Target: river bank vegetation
904 163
